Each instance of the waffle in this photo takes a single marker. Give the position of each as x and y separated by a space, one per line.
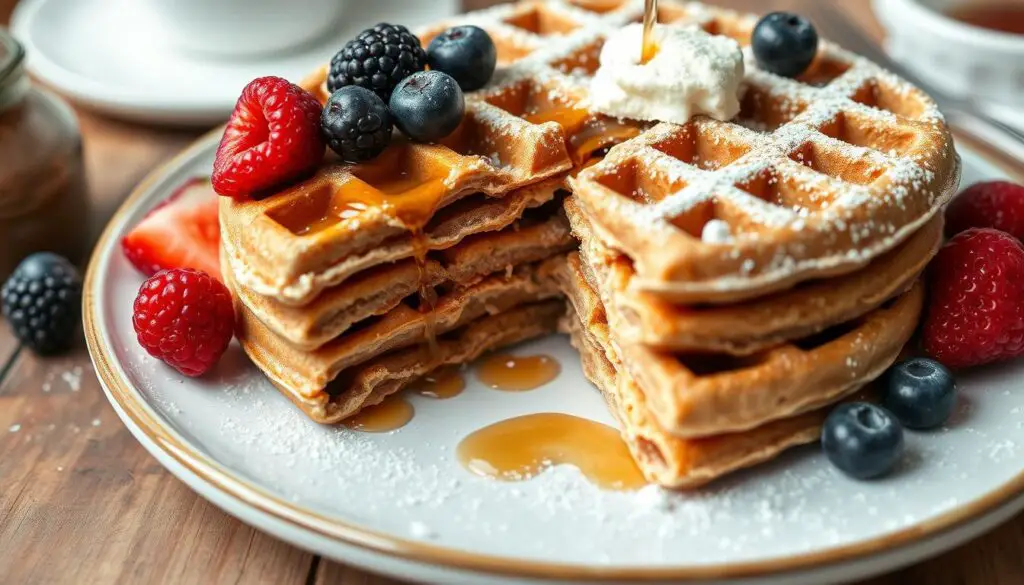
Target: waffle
295 244
530 124
640 318
725 345
664 458
698 395
372 381
307 374
540 234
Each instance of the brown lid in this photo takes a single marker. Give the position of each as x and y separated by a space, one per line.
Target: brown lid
13 81
12 54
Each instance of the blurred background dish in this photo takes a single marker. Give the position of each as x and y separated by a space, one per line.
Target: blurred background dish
241 27
969 48
107 55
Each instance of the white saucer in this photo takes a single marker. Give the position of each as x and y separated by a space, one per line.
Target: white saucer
399 503
98 53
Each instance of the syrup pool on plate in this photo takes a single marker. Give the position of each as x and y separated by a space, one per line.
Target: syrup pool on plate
442 384
520 448
392 414
511 373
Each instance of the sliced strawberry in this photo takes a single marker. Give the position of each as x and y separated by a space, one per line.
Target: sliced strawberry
182 232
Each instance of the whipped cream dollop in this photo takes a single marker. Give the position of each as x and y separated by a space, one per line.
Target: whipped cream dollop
692 73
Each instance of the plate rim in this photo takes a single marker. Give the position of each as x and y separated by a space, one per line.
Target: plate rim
206 469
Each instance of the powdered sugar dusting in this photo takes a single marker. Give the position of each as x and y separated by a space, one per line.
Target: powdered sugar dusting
409 485
829 214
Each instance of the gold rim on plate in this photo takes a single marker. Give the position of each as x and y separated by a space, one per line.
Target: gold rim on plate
207 470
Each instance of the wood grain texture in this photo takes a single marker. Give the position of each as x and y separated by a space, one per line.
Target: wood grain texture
82 502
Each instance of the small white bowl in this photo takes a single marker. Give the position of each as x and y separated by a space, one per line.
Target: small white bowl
966 61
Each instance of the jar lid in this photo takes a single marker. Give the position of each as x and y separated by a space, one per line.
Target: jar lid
13 81
12 54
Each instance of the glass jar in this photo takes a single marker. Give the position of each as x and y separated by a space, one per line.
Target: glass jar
44 205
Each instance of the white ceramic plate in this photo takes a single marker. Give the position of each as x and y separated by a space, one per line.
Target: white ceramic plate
100 53
400 504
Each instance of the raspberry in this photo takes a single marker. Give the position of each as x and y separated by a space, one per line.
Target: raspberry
185 318
976 312
273 136
995 204
377 59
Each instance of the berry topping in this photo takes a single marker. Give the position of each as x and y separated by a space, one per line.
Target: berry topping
467 53
863 440
377 59
184 318
428 106
183 232
42 301
920 392
995 204
356 124
784 43
976 312
273 136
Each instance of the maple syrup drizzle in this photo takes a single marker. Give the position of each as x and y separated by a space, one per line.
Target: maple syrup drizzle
650 48
442 384
520 448
510 373
587 133
1007 17
392 414
427 294
408 190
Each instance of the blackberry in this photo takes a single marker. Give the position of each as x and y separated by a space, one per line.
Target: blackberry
42 301
356 124
377 59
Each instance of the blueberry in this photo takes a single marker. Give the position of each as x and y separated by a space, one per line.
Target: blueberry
785 43
863 440
467 53
356 123
428 106
921 393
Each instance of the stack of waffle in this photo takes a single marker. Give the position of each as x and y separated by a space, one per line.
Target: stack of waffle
355 283
736 279
733 279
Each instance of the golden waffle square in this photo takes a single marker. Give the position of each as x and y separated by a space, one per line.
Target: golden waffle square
816 177
664 458
699 395
370 382
307 374
752 326
293 245
542 232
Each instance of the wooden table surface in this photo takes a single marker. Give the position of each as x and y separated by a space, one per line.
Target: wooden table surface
82 502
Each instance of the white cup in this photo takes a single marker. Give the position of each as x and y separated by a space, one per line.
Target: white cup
237 28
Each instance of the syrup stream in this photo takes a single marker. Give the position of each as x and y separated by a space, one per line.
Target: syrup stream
649 49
